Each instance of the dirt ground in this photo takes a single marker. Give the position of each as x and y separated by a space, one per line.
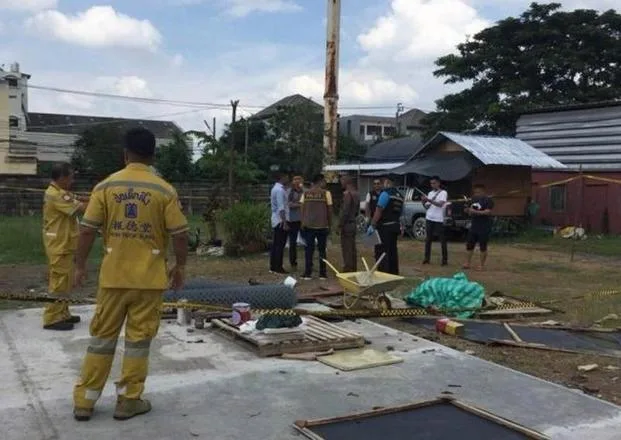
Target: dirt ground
517 270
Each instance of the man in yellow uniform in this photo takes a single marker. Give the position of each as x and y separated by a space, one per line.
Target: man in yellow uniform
60 239
138 212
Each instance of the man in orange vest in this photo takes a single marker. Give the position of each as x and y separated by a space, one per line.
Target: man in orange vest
316 224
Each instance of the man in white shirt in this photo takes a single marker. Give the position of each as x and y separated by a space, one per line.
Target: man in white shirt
280 210
435 204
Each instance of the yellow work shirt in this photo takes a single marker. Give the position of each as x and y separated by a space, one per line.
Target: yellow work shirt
60 224
137 212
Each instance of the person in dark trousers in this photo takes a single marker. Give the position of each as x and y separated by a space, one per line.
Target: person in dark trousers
316 224
347 224
387 222
294 220
371 200
481 227
435 204
280 207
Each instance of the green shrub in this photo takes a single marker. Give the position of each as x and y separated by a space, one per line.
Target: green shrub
246 228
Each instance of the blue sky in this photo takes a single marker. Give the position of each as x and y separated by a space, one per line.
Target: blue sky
253 50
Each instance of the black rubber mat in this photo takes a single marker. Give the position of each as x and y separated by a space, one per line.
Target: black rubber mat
592 342
434 422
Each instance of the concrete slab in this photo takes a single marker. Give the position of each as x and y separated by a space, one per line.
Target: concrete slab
215 389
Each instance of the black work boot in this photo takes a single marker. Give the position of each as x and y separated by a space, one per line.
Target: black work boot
73 319
60 326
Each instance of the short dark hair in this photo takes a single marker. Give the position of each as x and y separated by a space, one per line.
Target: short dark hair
318 178
436 178
140 141
61 170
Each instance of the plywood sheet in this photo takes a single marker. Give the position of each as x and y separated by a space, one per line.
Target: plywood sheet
350 360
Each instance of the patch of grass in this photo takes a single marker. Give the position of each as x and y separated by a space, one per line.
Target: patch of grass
21 240
542 266
602 245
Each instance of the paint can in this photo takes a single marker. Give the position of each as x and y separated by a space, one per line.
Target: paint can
241 313
184 316
449 327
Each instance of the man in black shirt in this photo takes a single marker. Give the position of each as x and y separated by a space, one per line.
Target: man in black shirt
481 212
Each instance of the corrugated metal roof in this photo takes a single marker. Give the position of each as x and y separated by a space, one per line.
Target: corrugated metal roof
589 137
363 166
492 150
288 101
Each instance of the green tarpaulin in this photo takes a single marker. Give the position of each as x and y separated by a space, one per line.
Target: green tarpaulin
456 293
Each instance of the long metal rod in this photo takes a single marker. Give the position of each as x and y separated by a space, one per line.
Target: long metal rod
331 96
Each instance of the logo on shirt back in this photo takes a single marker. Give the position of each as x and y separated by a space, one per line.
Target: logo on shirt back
131 210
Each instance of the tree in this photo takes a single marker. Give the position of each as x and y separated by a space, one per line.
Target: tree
174 159
349 149
296 140
98 152
545 57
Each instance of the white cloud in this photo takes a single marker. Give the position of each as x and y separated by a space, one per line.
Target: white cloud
28 5
177 60
421 29
241 8
99 26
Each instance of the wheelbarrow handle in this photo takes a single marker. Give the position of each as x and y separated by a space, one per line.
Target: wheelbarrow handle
330 266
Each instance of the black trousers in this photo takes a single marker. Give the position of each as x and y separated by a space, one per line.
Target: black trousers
294 229
279 240
321 237
433 229
389 234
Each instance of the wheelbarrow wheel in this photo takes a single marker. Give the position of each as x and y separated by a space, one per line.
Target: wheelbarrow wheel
350 301
382 302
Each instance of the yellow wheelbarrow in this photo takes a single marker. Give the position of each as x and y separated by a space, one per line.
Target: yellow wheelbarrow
368 286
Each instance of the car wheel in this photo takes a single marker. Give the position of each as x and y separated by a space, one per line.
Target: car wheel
419 229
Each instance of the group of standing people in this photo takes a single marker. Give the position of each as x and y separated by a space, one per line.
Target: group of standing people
306 216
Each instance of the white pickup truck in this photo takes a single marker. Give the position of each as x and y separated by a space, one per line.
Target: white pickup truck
413 216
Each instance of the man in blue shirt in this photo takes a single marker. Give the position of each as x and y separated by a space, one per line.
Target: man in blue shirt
387 221
280 209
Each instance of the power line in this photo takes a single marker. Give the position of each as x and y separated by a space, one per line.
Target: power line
178 103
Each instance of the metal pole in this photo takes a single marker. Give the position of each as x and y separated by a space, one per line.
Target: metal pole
331 97
232 146
246 143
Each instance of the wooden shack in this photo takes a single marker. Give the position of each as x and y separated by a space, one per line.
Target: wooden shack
503 165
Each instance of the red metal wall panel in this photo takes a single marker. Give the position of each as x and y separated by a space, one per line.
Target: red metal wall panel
593 203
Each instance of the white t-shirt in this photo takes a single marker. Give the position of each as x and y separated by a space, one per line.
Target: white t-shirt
435 213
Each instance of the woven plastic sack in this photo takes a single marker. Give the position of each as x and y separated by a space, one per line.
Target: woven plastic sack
456 293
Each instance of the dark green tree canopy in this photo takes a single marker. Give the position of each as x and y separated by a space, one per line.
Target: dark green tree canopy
98 152
174 159
545 57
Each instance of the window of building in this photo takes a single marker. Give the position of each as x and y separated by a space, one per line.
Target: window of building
558 198
374 130
389 131
13 121
12 82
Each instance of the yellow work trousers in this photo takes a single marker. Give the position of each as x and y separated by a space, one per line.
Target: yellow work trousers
60 274
142 310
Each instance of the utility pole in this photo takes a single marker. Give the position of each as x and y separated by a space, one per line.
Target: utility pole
331 95
232 147
246 142
400 109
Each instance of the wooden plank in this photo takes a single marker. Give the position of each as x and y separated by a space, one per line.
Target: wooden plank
319 336
534 435
513 312
513 334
